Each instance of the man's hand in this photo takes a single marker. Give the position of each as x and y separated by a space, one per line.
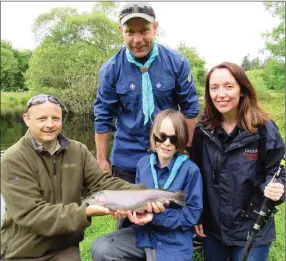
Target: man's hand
94 210
199 230
103 164
120 214
274 191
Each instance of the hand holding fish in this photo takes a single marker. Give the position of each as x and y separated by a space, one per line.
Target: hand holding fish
140 218
157 206
94 210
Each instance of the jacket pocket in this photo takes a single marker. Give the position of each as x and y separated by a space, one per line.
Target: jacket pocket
164 90
127 89
8 232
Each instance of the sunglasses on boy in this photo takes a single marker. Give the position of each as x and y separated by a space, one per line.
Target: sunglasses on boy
42 98
163 137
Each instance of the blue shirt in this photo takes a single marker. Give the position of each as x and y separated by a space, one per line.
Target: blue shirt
171 232
119 97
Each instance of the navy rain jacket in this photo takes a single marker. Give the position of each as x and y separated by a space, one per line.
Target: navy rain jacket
235 178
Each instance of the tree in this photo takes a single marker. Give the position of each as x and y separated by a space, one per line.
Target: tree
255 63
73 47
197 64
246 64
275 39
273 75
14 63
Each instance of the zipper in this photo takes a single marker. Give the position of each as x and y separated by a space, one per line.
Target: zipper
54 167
205 132
55 179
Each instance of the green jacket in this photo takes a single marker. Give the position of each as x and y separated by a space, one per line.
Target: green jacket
43 196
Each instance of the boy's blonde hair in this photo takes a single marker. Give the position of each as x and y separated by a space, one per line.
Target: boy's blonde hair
180 126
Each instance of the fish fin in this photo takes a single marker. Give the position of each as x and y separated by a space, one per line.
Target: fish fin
179 198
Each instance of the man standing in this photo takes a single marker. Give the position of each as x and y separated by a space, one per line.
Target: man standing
42 177
142 79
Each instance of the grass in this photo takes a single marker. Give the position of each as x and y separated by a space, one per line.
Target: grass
16 101
273 103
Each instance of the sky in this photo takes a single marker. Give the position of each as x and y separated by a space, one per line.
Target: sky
220 31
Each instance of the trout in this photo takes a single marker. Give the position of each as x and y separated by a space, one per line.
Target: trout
134 200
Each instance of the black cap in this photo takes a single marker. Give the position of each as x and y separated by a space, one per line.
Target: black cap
136 9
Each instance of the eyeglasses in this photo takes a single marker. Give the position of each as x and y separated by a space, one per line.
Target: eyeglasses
163 137
42 98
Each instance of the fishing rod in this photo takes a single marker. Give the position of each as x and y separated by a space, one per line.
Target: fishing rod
263 216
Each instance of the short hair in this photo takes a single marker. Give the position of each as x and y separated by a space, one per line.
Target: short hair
180 125
250 114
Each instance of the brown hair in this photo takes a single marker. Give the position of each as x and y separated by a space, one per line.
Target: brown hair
250 115
180 126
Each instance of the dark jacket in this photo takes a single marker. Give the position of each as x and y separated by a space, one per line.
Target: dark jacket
235 179
43 196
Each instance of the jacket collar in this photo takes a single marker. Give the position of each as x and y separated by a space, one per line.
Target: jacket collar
62 140
243 138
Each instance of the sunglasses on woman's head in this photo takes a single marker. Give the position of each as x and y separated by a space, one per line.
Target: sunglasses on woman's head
39 99
163 137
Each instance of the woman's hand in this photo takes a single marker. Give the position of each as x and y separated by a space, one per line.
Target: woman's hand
199 230
274 191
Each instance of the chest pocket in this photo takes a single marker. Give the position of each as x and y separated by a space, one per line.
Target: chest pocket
128 91
164 90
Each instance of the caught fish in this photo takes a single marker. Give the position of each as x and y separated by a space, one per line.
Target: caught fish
134 200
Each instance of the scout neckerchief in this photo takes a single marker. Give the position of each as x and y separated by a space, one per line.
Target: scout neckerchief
147 92
178 163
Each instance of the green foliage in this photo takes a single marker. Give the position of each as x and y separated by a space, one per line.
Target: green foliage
9 70
274 75
275 39
197 64
14 64
255 77
74 46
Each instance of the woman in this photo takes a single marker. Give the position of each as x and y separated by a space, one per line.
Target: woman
238 149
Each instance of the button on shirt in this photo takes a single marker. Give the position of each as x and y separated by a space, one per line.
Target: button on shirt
119 97
171 232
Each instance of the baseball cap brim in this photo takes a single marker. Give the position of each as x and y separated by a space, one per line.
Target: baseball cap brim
149 18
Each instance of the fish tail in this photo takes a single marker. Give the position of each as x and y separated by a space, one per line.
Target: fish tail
179 198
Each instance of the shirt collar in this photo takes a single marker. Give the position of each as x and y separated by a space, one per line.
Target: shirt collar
62 143
169 166
220 131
